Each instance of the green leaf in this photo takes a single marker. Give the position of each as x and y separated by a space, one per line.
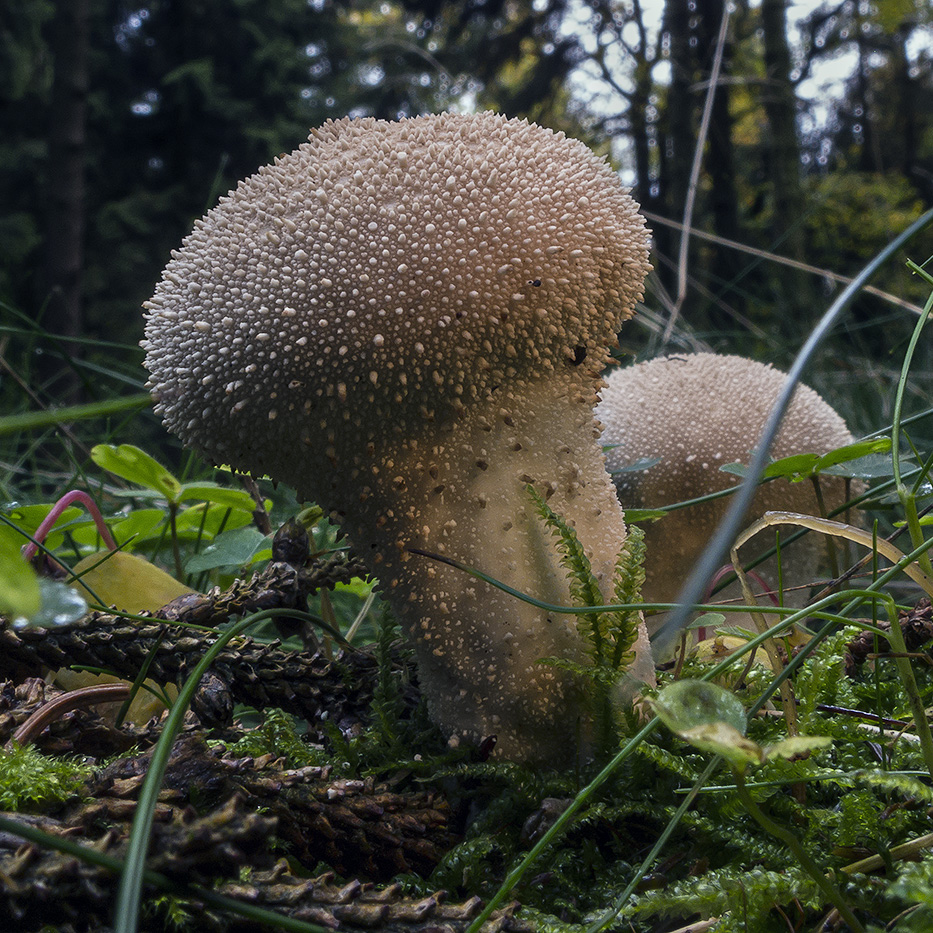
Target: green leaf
873 466
137 526
19 586
688 704
794 467
192 522
134 528
710 718
219 495
30 517
719 738
138 467
232 548
708 620
797 467
849 452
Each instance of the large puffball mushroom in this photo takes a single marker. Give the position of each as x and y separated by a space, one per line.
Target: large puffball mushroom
695 414
407 321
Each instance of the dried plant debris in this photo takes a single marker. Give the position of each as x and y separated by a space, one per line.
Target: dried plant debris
307 684
916 624
228 808
77 898
357 906
220 820
83 731
354 826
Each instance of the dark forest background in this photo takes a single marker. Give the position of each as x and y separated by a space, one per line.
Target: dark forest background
121 123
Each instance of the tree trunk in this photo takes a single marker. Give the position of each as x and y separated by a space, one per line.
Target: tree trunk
906 107
639 102
61 286
782 159
870 157
720 157
679 136
779 102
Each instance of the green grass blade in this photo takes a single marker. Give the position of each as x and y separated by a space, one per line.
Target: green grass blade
11 424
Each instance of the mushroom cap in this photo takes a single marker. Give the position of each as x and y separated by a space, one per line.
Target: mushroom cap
697 413
384 276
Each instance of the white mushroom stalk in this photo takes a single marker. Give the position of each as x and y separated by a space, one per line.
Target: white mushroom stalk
695 414
407 321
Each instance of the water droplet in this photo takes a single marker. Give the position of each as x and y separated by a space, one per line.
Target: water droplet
61 605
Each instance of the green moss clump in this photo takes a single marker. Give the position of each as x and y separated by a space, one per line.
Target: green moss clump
32 781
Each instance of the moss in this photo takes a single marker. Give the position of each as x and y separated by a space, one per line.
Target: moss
31 781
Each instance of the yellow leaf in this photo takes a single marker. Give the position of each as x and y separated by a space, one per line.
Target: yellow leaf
127 581
132 584
713 650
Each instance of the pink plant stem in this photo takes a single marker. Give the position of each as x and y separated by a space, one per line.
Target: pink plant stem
74 699
75 495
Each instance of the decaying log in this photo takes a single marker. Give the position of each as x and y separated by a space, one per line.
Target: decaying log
307 684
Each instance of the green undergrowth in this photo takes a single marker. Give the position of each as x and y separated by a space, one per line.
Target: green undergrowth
663 826
32 782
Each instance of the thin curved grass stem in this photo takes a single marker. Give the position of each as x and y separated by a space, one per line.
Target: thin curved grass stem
731 522
841 530
906 495
909 682
129 897
830 891
685 805
519 872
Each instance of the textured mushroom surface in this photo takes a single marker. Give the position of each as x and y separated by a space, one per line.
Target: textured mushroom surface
696 414
407 321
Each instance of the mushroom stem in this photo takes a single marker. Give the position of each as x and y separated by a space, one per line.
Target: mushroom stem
479 648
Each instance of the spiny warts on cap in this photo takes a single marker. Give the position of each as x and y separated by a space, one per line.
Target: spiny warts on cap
386 274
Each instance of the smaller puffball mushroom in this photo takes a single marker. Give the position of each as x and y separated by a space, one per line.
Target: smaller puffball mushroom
408 322
696 414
